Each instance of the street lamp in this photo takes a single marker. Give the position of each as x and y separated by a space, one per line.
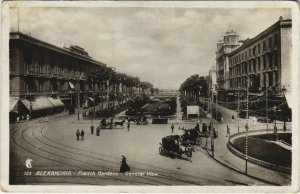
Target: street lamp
247 128
284 124
267 108
238 112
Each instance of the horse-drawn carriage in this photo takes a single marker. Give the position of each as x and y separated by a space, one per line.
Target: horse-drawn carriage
104 124
192 136
139 120
171 146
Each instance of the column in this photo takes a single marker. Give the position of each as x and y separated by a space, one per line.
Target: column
261 75
267 79
275 79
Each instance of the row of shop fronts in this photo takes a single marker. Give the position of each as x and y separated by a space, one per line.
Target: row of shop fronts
38 106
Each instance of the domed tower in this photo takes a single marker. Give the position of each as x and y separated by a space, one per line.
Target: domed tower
224 47
231 38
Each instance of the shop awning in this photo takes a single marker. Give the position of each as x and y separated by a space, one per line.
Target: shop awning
71 85
56 102
13 101
288 97
91 99
38 104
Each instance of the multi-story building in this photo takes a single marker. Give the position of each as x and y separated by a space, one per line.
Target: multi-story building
224 48
263 62
44 76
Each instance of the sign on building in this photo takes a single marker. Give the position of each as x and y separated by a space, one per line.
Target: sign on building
192 111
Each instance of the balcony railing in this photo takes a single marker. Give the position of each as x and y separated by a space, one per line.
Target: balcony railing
54 75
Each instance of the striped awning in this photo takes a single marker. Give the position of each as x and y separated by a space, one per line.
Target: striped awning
13 101
289 99
71 85
39 103
56 102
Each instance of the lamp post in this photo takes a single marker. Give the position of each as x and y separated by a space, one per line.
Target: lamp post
247 128
284 124
267 108
238 112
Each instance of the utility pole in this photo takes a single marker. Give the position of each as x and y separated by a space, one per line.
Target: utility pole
267 107
238 112
211 125
247 128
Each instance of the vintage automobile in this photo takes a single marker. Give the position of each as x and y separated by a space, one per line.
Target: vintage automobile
171 146
192 136
264 120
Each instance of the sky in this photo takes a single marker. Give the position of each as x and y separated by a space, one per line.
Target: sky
163 46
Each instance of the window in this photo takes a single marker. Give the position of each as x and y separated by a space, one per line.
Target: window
276 40
264 45
258 48
270 43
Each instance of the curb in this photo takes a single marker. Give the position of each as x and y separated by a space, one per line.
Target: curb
258 162
241 172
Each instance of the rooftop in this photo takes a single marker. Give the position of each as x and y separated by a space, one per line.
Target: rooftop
73 50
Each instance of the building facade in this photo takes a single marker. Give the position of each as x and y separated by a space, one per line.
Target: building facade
68 77
224 47
258 64
263 62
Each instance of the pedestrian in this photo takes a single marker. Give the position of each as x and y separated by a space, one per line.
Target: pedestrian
228 131
92 129
284 126
222 119
254 121
215 133
128 125
46 118
18 119
275 128
197 127
124 166
82 134
98 130
189 150
77 134
232 118
172 128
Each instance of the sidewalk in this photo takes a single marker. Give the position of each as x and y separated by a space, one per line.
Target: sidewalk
226 158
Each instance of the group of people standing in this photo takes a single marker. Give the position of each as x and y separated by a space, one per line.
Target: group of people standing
98 129
80 134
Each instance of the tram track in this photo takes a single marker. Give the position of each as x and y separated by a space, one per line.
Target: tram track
48 152
21 146
30 135
162 176
65 163
162 170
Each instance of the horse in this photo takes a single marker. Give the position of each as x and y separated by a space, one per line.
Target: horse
121 123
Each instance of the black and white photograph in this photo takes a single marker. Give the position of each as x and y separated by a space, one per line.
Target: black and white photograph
150 94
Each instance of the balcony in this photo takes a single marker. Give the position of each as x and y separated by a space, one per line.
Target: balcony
268 50
274 48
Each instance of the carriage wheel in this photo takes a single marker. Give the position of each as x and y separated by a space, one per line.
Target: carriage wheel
189 154
199 141
179 154
161 150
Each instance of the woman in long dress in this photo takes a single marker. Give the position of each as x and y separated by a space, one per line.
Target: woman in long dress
124 167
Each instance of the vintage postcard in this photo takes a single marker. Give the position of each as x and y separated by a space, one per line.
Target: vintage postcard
145 96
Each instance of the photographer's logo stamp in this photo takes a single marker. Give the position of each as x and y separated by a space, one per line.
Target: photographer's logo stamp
28 163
